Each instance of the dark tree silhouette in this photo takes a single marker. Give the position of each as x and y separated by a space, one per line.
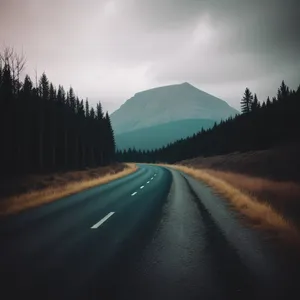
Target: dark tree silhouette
283 91
255 104
246 102
268 125
42 129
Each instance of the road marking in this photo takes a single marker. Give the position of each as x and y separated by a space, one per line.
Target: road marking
152 178
142 187
148 181
154 174
133 193
102 220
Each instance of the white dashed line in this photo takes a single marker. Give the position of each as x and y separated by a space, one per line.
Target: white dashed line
142 187
148 181
133 193
102 220
152 178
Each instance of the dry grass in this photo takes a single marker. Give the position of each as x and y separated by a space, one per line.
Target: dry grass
280 194
278 163
17 203
260 214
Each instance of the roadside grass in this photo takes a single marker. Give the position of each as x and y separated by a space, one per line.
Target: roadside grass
257 212
282 195
56 190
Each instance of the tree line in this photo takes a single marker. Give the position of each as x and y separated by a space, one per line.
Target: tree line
44 128
259 126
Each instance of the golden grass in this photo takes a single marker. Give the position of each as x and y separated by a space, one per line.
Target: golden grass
260 214
21 202
280 194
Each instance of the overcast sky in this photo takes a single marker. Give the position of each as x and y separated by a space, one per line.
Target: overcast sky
110 49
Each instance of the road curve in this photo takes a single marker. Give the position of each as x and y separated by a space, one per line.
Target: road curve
154 234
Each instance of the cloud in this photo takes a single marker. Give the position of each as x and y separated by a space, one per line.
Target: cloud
111 49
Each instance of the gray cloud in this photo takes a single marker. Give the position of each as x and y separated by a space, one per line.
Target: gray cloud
111 49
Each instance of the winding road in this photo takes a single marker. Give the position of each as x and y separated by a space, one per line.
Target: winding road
154 234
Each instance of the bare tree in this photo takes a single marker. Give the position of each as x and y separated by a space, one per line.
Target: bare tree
16 63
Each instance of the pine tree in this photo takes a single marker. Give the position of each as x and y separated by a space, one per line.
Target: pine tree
26 140
72 100
6 122
101 134
87 109
44 87
27 86
53 125
246 101
7 85
110 139
99 112
283 91
255 104
268 102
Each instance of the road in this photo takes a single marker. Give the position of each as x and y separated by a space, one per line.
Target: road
154 234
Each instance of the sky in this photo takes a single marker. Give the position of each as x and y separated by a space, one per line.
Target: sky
108 50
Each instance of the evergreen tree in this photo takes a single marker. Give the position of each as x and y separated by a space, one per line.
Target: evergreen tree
6 121
255 104
87 109
44 87
246 102
283 91
72 100
99 112
111 144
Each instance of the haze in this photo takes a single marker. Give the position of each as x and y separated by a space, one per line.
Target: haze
109 50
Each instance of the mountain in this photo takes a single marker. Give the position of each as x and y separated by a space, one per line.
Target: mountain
162 106
160 135
167 104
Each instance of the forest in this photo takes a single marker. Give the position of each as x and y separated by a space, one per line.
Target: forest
260 125
44 128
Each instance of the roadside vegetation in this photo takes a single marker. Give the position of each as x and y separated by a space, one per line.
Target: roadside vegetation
45 128
256 211
44 189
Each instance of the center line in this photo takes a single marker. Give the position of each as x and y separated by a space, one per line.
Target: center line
152 178
142 187
102 220
148 181
133 193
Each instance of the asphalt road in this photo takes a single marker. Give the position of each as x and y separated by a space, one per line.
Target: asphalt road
155 234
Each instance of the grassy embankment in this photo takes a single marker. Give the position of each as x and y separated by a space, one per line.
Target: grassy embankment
37 190
271 205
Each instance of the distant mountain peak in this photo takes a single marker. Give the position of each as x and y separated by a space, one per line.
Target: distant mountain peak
186 83
168 104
